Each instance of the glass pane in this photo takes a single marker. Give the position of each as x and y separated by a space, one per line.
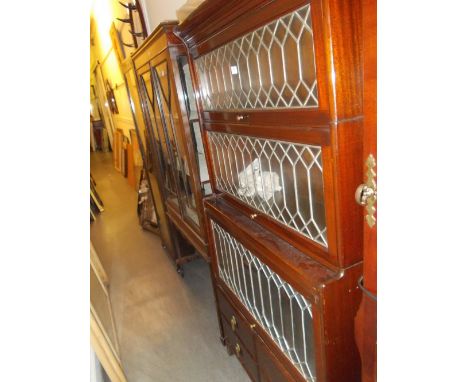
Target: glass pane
281 179
284 313
271 67
166 102
159 138
196 137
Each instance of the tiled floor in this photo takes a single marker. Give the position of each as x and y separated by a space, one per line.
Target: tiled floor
166 325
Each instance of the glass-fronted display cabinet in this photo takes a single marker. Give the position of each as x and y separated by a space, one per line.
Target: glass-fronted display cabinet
149 156
173 125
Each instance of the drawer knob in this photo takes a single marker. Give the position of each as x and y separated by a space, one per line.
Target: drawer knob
241 117
233 323
238 350
253 216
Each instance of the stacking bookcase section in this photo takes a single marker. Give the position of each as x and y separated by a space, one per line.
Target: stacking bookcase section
276 302
278 87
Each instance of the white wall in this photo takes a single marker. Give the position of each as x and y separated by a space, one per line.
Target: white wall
156 11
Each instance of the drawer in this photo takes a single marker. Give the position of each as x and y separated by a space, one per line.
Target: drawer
237 347
236 323
270 369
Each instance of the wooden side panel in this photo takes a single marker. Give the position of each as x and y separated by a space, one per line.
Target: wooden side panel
341 300
347 147
366 320
131 177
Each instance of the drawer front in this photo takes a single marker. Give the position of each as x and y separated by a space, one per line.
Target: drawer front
270 368
238 348
235 323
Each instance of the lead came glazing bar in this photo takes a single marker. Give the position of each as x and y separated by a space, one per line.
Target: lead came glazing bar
281 179
250 72
297 342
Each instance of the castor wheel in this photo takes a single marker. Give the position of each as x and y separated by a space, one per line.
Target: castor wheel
180 271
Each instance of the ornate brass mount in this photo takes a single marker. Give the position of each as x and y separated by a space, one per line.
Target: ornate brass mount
366 194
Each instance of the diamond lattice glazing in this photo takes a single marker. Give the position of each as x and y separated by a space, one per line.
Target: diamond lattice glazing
281 179
284 313
271 67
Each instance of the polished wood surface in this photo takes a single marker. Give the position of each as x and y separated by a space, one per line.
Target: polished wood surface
366 320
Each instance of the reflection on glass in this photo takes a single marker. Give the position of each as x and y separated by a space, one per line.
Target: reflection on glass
284 313
270 67
159 139
194 123
282 179
169 120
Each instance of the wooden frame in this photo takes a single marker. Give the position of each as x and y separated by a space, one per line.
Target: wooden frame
117 149
117 44
106 351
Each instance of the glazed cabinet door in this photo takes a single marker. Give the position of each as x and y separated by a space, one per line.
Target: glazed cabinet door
150 154
159 138
169 119
262 73
192 121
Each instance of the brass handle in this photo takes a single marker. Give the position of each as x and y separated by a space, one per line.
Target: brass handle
233 323
363 193
253 216
241 117
238 350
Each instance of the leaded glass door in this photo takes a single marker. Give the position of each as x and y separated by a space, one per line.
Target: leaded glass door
194 123
159 138
167 116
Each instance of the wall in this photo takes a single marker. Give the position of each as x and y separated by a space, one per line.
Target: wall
159 10
103 13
